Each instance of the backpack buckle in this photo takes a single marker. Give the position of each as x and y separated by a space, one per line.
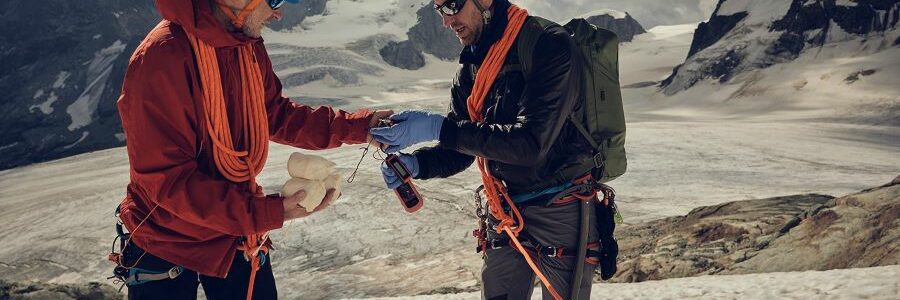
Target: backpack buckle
174 272
551 251
598 160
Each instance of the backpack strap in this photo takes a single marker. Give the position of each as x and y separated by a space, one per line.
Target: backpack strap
598 150
528 37
527 41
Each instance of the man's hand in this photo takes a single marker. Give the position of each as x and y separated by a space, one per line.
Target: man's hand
293 210
410 127
391 178
377 116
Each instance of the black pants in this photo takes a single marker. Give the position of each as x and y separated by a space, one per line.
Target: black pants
233 286
506 274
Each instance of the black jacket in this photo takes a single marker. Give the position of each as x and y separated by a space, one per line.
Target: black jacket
525 136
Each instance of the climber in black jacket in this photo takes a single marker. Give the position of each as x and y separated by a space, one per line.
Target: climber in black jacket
525 138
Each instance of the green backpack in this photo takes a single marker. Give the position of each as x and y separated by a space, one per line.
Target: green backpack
601 119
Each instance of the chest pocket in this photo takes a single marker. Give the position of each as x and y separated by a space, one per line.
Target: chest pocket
504 100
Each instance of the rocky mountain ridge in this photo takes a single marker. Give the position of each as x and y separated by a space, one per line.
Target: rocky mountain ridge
743 35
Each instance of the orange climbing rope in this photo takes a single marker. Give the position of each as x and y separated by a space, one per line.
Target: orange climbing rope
238 19
493 187
235 165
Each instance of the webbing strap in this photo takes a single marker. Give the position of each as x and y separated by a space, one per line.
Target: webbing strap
584 132
560 252
548 251
598 149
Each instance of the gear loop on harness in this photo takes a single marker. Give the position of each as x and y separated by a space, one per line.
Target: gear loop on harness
139 276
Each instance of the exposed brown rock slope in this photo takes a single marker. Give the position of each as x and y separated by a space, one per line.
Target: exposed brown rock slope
41 291
793 233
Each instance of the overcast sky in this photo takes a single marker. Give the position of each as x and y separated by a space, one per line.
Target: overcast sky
647 12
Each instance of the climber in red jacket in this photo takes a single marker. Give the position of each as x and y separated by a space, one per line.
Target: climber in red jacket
199 103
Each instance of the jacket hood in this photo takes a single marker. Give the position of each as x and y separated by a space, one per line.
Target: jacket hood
197 17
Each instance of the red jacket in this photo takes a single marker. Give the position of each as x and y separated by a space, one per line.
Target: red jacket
201 214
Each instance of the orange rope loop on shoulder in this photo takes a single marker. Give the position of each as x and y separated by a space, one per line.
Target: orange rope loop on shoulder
237 165
494 188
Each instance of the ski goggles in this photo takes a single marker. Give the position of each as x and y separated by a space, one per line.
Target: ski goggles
450 7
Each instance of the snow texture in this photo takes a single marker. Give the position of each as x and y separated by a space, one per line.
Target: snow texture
45 107
865 283
759 11
649 13
83 109
347 21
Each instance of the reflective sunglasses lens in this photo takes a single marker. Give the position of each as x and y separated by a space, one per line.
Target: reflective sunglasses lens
451 7
275 4
447 11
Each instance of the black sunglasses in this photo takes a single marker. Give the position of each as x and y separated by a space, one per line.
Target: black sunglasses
450 7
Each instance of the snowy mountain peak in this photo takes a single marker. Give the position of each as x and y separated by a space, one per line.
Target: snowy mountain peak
619 22
609 12
61 76
744 35
757 11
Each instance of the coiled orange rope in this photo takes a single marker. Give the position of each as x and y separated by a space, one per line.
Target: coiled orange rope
494 188
235 165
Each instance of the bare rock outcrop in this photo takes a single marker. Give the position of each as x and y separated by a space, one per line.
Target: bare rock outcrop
793 233
41 291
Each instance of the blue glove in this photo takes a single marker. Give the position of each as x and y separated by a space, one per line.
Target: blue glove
391 178
410 127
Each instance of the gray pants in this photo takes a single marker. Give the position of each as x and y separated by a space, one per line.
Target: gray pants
506 274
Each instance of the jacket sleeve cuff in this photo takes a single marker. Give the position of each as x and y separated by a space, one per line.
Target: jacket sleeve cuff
270 213
358 132
423 167
448 134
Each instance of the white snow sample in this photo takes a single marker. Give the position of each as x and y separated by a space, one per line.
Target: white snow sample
309 166
333 181
315 191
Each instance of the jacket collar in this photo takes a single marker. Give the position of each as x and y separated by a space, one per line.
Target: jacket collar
476 53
